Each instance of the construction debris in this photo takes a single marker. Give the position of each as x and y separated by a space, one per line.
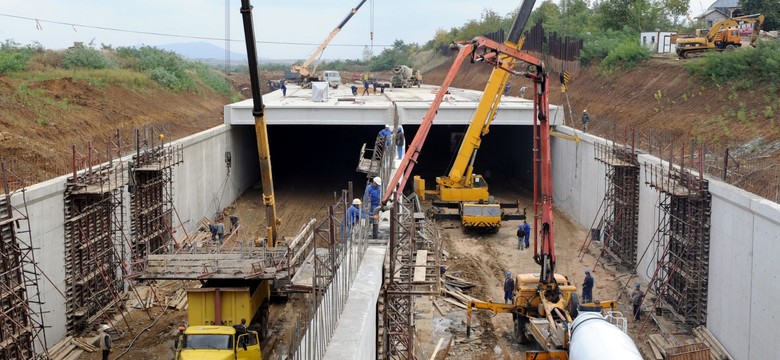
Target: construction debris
71 348
717 351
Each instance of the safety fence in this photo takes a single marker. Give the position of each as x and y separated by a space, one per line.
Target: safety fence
334 273
753 166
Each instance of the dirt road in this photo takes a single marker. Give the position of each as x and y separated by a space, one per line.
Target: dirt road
483 260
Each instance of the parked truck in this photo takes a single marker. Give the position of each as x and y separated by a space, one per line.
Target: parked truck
406 77
214 315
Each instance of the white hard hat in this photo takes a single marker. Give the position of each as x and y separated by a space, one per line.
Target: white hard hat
378 180
104 327
356 202
585 110
387 126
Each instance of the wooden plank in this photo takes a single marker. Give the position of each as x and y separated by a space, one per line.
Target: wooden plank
436 305
436 350
419 265
453 302
656 352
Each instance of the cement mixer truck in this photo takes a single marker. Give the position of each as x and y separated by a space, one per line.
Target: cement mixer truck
405 77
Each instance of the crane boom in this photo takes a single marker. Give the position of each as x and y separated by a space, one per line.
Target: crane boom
303 70
261 129
460 175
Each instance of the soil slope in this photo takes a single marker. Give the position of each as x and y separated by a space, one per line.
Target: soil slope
659 94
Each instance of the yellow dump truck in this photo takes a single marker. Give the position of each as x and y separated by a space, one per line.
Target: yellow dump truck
213 312
217 343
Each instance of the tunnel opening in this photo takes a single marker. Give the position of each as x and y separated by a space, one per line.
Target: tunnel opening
317 158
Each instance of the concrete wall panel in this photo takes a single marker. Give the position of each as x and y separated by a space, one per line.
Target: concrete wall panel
202 184
649 219
45 209
765 292
731 264
744 243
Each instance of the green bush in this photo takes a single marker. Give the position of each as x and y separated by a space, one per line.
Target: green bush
165 67
597 46
761 63
214 80
626 55
14 57
86 58
11 61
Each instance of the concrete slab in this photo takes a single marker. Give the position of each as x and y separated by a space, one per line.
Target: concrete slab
355 335
409 105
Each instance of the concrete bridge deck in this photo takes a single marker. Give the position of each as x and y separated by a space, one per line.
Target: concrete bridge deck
408 104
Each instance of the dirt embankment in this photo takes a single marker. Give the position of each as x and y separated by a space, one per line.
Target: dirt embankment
657 95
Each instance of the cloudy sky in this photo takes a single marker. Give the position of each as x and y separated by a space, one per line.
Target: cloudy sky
298 25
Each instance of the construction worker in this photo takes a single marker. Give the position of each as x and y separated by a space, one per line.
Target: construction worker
585 120
218 231
179 342
241 329
587 287
353 214
400 141
284 87
365 87
636 300
386 135
372 195
373 83
509 288
105 341
520 236
233 223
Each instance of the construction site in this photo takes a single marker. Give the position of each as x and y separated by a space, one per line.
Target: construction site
316 223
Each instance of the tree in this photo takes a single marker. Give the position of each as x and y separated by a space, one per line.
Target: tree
770 9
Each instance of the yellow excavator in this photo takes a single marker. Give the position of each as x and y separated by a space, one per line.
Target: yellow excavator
462 188
723 35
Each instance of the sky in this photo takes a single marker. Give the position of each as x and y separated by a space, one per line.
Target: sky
300 25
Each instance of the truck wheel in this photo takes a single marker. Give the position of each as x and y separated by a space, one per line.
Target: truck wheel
574 305
519 330
264 324
730 47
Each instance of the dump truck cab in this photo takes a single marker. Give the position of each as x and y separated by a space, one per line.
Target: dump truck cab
218 343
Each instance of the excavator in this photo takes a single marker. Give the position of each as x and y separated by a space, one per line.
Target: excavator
461 188
723 35
306 75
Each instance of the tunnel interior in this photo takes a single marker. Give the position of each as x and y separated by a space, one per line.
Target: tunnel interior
325 157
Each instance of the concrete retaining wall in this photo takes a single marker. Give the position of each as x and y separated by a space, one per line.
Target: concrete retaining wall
744 242
202 186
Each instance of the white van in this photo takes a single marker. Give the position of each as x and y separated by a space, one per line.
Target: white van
332 78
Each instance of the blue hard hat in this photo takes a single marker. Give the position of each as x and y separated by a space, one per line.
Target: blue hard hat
638 285
587 271
508 273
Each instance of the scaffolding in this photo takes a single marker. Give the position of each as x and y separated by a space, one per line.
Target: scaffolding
151 196
94 250
411 270
618 222
683 239
22 327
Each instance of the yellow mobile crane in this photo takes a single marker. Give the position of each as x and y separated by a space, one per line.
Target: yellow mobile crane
307 76
463 188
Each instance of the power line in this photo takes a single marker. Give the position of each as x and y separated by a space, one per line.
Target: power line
74 25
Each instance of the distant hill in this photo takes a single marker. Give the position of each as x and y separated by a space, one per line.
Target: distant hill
201 51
